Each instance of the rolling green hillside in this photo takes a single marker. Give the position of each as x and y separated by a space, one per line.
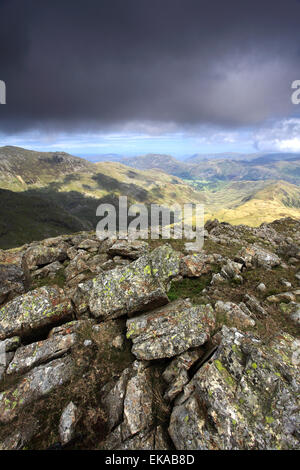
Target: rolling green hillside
46 194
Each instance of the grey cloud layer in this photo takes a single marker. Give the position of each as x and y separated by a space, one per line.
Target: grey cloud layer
98 63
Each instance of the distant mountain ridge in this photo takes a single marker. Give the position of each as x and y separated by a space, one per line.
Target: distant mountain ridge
268 166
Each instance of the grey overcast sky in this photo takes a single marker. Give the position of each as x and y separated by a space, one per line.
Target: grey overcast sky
132 76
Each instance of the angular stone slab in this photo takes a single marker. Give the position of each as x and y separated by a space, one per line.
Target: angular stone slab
36 384
129 249
35 354
29 313
170 330
41 255
134 288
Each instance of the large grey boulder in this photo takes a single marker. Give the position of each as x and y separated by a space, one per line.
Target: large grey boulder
29 313
244 397
138 287
170 330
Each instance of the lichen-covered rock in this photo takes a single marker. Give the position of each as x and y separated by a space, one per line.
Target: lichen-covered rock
132 249
165 264
90 245
34 354
31 312
36 384
234 314
244 397
14 277
77 265
67 423
112 294
260 257
176 374
131 400
170 330
39 255
196 265
50 270
138 404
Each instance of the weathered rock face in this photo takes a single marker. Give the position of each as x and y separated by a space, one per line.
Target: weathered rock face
135 288
36 384
14 278
129 404
35 354
40 255
68 421
260 257
50 270
196 265
27 314
235 313
165 264
170 330
129 249
245 397
176 374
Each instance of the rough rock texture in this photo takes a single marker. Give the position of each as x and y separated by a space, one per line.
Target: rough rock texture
36 384
244 397
14 277
27 357
170 330
67 423
134 288
180 375
40 255
29 313
176 374
260 257
129 249
234 313
196 265
129 404
165 264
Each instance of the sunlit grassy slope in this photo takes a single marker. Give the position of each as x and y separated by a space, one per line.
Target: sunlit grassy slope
52 193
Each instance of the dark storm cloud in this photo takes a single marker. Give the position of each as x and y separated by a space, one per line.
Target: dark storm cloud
106 63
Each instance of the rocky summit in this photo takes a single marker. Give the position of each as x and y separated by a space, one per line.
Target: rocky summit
126 345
